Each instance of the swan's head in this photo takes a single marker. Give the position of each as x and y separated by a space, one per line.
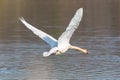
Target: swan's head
52 51
45 54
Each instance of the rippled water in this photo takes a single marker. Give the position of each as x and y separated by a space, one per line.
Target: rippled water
24 61
21 51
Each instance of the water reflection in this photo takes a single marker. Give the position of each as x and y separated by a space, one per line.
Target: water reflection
21 51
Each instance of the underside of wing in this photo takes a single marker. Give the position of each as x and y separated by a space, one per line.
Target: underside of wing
44 36
73 25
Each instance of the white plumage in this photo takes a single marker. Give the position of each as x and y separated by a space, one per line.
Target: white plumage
62 44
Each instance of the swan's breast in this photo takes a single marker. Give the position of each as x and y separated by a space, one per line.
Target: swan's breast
63 48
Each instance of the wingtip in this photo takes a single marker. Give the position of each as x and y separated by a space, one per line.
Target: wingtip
80 9
21 18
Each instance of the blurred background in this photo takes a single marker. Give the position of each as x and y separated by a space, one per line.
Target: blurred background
98 14
21 51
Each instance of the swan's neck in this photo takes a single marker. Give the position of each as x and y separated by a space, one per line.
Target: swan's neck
79 49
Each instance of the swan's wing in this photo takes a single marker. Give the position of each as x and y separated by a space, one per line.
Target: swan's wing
44 36
74 23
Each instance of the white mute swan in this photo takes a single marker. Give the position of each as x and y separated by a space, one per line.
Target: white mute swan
62 44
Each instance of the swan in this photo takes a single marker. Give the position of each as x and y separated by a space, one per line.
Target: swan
62 44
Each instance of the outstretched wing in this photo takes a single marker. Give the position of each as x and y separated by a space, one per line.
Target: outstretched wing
44 36
74 23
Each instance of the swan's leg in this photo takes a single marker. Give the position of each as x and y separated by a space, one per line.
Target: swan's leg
79 49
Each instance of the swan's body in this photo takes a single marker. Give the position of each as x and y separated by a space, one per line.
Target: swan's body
62 44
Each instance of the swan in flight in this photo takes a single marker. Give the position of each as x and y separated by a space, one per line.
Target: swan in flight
62 44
